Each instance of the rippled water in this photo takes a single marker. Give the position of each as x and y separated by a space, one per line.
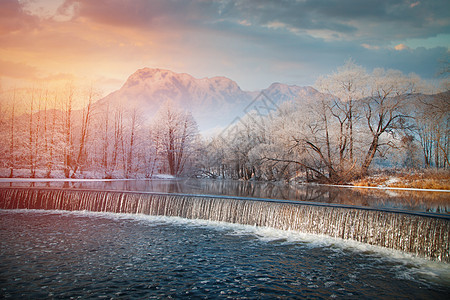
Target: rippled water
89 255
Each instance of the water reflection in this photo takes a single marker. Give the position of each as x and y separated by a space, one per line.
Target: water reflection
408 200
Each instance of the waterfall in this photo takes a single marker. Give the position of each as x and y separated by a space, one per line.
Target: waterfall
422 234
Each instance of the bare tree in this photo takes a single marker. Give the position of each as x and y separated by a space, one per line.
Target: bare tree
32 137
84 134
338 136
433 128
347 86
105 147
153 153
386 110
67 132
12 156
132 141
117 151
52 139
177 131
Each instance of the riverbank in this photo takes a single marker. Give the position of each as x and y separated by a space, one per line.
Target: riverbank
437 180
58 175
424 179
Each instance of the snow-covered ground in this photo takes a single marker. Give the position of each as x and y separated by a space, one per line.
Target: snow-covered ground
382 187
55 179
159 176
22 175
163 176
406 181
390 181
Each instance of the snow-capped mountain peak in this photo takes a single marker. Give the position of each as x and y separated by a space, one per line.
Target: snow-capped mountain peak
213 101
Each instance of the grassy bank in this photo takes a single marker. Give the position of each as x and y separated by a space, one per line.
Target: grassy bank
423 179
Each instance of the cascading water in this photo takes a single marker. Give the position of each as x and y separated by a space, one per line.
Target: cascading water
420 234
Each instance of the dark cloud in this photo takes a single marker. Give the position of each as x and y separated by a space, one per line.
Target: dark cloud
298 15
374 19
379 21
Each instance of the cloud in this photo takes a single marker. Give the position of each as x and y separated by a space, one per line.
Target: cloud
276 25
13 18
375 19
370 47
245 23
245 40
376 22
140 14
401 47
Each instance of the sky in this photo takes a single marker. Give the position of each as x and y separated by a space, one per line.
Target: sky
255 43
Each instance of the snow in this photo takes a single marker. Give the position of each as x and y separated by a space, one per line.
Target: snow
57 180
389 188
391 180
163 176
2 180
58 176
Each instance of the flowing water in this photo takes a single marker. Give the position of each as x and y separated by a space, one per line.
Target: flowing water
54 254
90 239
424 234
438 202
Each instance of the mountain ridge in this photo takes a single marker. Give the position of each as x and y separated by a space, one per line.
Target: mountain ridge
214 102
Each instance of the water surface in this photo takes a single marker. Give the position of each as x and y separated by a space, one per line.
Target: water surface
421 201
90 255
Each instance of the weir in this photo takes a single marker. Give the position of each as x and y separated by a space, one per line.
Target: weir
423 234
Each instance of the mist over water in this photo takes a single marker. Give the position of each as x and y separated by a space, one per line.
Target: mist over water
83 254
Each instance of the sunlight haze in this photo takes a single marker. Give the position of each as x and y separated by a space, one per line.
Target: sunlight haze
254 43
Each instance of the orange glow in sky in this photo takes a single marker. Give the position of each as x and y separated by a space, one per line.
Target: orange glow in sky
102 42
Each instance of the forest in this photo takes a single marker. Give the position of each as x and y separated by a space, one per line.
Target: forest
362 121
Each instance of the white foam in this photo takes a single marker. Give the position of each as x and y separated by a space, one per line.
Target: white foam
417 266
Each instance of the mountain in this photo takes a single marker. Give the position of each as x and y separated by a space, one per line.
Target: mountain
280 92
214 102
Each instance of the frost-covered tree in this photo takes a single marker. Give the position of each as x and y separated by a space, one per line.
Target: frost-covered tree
347 86
387 110
433 129
307 135
33 132
76 130
53 137
337 135
11 160
151 159
68 148
241 139
176 131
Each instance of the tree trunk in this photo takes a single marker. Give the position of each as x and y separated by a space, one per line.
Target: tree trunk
370 155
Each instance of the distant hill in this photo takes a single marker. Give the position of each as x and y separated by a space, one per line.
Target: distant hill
214 102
